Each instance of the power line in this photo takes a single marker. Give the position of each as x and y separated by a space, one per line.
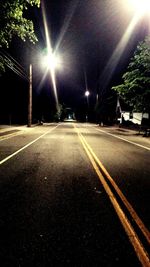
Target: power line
13 65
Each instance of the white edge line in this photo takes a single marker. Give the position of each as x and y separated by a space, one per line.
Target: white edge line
19 150
133 143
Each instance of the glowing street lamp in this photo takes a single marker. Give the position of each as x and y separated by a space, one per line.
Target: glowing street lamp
141 6
51 61
87 93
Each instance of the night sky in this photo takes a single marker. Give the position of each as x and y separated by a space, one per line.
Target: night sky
87 35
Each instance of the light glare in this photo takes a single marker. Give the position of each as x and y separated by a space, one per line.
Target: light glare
87 93
141 6
52 61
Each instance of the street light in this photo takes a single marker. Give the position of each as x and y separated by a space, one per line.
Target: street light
51 62
141 6
87 93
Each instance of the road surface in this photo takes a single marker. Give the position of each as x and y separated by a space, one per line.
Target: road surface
74 195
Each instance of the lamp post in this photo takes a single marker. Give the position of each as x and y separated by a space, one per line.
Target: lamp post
51 62
87 93
30 97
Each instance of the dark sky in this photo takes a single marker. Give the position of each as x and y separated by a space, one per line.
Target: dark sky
87 35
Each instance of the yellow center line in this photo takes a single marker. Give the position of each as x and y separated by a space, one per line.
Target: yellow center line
132 212
139 249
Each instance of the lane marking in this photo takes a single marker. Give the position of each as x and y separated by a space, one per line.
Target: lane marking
24 147
121 138
138 247
132 212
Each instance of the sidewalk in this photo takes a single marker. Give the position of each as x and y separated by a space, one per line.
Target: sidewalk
131 135
7 129
132 130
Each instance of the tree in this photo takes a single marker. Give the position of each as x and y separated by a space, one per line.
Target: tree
13 22
135 89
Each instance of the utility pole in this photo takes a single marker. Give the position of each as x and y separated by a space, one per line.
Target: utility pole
30 97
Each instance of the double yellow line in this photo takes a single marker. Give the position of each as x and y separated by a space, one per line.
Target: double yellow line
104 177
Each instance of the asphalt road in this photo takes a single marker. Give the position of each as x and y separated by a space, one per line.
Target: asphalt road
74 195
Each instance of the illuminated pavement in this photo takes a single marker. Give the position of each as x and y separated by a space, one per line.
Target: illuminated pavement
54 208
